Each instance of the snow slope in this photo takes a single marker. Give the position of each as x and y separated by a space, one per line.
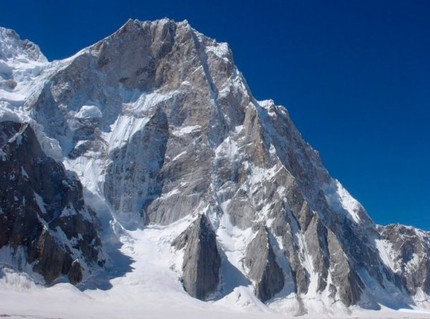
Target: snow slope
151 290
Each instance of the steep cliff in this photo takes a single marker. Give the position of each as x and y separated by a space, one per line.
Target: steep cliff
160 126
44 221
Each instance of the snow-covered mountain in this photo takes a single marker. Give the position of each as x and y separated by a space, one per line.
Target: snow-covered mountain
151 136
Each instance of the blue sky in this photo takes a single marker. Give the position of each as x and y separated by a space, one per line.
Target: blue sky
354 75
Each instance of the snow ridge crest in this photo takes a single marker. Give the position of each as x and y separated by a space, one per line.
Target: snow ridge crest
13 48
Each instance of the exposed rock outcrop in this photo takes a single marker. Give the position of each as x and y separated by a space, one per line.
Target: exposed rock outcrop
202 261
409 249
42 209
263 267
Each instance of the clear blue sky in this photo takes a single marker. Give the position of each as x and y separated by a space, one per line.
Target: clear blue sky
355 76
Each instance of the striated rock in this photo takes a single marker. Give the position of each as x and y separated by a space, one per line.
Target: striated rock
138 163
347 285
202 261
263 267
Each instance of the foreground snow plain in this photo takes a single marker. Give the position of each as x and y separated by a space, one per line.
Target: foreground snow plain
150 287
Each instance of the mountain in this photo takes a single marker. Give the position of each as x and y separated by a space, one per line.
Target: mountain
154 129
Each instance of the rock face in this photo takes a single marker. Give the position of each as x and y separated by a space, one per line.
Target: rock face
157 122
263 268
409 249
42 212
202 261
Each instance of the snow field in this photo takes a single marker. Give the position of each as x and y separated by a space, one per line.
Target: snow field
152 288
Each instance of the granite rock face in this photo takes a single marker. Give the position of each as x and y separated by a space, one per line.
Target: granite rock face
43 216
157 122
202 261
263 267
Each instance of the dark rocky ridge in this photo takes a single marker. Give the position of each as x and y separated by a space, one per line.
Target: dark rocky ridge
40 202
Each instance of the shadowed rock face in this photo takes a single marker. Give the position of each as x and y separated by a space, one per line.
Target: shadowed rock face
42 209
202 261
132 178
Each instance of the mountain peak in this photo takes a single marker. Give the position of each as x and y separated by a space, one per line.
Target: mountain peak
164 135
13 48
